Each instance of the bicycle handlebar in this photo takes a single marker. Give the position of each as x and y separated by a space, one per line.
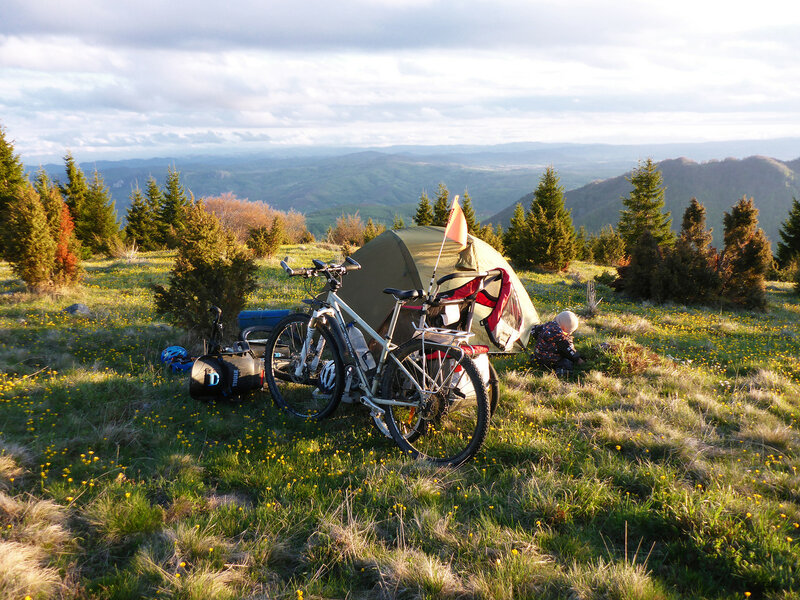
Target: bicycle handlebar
322 269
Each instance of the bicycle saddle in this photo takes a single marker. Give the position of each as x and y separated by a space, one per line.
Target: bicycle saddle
404 294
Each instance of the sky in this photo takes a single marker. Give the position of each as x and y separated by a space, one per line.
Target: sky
143 78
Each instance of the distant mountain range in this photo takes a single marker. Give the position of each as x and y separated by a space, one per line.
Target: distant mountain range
718 185
324 183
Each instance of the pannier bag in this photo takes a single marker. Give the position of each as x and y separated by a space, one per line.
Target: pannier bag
226 375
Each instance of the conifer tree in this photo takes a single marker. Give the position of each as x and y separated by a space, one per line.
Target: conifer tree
424 214
552 235
689 272
583 249
643 207
371 230
29 245
641 278
441 207
473 227
789 246
66 268
75 191
51 199
607 247
492 236
746 256
141 222
398 223
175 200
516 237
98 228
12 179
211 269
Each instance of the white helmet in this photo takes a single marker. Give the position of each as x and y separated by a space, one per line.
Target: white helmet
327 377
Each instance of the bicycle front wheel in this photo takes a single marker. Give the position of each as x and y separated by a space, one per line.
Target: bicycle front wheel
305 375
442 411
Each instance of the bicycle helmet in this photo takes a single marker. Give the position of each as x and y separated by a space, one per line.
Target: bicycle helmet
327 377
171 354
181 365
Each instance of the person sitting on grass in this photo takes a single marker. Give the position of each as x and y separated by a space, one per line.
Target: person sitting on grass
554 348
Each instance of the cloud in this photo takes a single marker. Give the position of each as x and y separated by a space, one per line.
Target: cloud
98 75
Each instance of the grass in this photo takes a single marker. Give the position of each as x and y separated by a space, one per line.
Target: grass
666 467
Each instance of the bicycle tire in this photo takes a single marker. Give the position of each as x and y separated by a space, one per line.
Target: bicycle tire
304 396
493 390
448 424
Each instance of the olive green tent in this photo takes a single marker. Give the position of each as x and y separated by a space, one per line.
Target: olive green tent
405 259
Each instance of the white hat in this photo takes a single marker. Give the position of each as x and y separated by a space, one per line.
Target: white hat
567 320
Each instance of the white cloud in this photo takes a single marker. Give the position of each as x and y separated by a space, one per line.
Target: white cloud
100 75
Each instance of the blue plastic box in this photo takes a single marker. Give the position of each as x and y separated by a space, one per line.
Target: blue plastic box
262 318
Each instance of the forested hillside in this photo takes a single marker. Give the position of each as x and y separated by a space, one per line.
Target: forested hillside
716 184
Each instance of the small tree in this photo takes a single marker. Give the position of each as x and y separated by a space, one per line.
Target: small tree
552 235
98 228
211 269
67 267
689 272
371 231
643 207
424 214
398 223
516 237
746 257
175 200
441 207
142 222
75 191
265 241
789 246
607 247
12 180
583 248
473 226
29 245
492 236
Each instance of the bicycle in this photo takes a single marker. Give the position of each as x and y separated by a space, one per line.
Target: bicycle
426 394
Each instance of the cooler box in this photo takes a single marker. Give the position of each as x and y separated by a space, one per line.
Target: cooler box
260 318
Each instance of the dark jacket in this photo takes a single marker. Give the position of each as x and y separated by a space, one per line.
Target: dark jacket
552 344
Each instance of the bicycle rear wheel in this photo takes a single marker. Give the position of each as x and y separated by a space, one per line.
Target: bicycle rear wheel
445 413
311 389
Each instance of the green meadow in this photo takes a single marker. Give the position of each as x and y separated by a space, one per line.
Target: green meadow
666 467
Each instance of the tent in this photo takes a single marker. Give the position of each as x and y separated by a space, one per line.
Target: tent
405 259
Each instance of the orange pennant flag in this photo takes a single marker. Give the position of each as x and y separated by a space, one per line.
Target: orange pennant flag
456 228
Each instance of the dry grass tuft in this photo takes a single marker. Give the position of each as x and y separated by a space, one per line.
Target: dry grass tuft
612 580
410 573
22 572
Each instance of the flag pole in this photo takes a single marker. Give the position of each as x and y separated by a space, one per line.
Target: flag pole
444 239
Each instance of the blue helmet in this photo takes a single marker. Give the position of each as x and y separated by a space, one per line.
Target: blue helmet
181 365
171 354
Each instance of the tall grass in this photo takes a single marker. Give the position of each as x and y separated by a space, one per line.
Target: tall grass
665 467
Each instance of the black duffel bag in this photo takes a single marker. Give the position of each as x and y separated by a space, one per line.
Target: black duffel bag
225 373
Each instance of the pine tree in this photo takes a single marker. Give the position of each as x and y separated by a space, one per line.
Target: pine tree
98 228
29 245
643 207
12 179
516 237
583 249
75 192
441 208
211 269
141 222
492 236
552 241
608 247
746 257
371 231
424 214
641 278
473 227
789 246
398 223
689 273
175 200
51 199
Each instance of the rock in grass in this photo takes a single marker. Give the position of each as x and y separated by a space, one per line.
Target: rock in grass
78 310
